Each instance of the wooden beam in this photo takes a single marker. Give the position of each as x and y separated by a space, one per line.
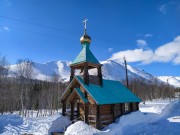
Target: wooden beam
86 110
72 110
123 108
130 109
100 75
137 106
64 108
72 74
78 107
120 107
98 117
112 111
86 74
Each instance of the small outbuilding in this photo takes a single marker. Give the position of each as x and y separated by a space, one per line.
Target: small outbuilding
91 98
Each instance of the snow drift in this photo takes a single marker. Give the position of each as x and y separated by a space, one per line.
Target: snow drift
165 123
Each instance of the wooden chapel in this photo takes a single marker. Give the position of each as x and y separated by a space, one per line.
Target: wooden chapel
91 98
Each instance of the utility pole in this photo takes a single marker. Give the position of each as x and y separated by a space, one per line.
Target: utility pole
125 63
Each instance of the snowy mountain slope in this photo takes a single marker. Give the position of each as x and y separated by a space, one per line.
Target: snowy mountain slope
172 80
52 68
116 71
47 70
112 70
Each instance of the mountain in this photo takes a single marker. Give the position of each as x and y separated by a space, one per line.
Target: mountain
111 70
172 80
116 71
47 70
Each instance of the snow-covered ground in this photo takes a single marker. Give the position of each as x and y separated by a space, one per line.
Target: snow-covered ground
158 117
154 118
12 124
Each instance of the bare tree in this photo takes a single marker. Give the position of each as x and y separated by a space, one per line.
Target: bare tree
25 74
3 82
3 66
25 68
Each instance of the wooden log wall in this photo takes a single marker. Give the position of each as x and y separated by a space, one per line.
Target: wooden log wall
117 110
135 106
105 114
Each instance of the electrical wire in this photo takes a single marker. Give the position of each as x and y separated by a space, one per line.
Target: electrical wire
37 24
59 29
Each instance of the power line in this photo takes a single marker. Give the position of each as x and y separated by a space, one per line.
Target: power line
39 33
37 24
55 36
59 29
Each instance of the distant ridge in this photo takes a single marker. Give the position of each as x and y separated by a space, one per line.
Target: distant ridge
112 70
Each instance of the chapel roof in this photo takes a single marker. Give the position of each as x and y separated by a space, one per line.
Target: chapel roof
112 92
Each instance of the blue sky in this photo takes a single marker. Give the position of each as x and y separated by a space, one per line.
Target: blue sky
146 31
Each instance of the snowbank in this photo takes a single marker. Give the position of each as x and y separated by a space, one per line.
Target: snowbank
81 128
165 123
170 110
134 118
154 106
161 121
